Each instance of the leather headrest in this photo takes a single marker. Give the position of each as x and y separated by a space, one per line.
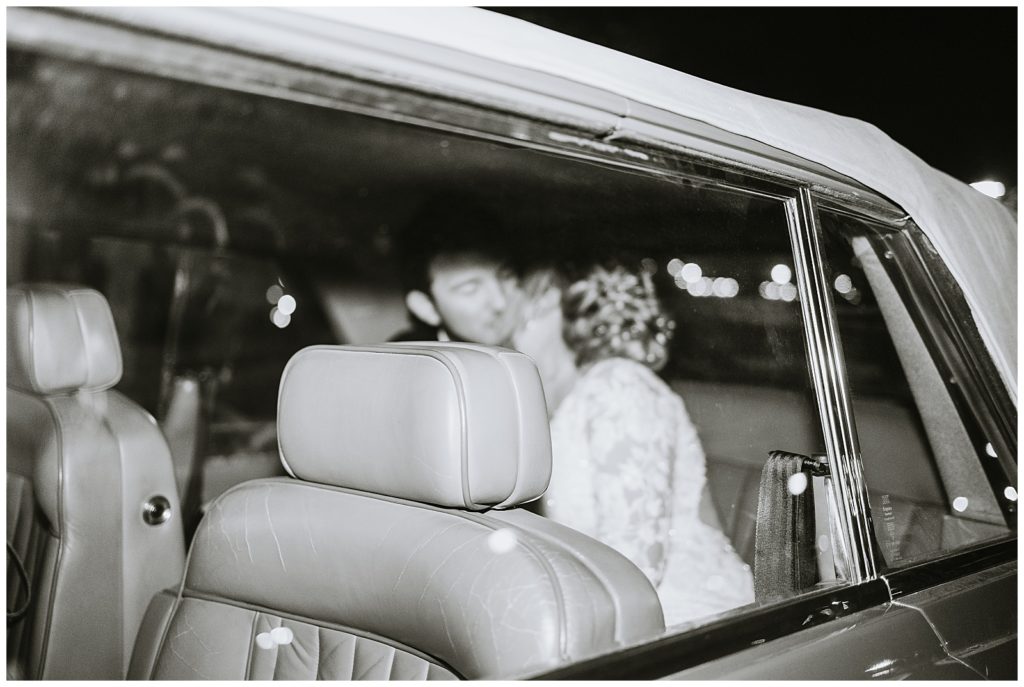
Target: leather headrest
60 339
453 425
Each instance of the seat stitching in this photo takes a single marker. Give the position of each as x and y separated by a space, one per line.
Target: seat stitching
556 582
391 664
277 650
177 604
252 641
120 542
32 376
59 434
319 652
25 541
85 339
371 667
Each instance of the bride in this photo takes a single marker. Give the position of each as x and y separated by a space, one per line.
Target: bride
628 467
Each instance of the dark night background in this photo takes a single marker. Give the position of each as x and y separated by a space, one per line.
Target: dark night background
942 81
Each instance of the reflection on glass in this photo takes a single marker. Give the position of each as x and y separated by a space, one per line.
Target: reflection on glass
781 274
690 272
280 319
700 287
274 294
797 484
286 304
843 283
726 287
502 541
927 490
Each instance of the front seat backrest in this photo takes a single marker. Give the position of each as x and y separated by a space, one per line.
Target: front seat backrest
83 463
397 551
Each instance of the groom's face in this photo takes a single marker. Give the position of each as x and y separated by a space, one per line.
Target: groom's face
477 297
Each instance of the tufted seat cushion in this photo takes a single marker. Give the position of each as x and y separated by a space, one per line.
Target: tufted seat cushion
314 652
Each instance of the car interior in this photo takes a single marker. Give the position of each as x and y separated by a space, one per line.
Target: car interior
156 231
83 464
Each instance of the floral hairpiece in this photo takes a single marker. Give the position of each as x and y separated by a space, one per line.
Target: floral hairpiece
615 311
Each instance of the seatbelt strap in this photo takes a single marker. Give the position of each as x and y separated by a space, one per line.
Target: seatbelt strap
19 568
785 559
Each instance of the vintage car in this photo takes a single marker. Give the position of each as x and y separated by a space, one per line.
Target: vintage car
229 186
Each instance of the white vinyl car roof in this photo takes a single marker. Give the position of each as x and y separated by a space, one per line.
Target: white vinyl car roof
492 58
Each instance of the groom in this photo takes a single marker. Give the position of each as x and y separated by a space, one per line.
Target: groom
460 281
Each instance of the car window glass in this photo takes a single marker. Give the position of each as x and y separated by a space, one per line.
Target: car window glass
227 238
926 486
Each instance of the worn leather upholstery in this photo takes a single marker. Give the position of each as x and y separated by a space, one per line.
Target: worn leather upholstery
81 462
60 339
480 441
382 557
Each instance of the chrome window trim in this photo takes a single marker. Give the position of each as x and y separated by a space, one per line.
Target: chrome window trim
828 370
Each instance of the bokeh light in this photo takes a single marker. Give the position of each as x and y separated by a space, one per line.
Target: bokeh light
769 290
274 294
700 287
992 189
691 272
279 318
502 541
282 635
797 483
286 304
781 274
843 283
725 287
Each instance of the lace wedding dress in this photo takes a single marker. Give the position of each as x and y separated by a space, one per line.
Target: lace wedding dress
629 470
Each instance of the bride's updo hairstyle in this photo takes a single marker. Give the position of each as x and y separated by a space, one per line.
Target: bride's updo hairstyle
611 311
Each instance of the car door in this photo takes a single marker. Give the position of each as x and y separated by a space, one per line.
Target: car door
933 433
766 361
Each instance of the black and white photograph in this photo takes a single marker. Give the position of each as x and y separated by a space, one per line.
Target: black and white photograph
524 342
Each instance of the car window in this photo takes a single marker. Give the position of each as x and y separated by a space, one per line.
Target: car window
224 323
925 478
227 238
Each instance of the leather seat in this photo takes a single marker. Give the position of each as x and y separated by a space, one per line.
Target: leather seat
83 462
397 549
